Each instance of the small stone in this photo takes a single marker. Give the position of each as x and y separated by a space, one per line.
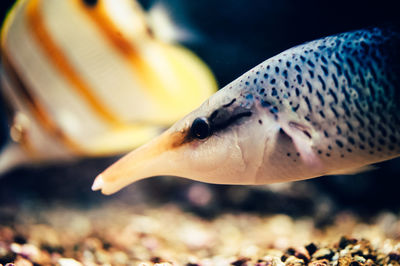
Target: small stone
302 255
335 257
343 252
290 251
345 261
345 241
16 248
20 261
323 262
19 239
240 262
102 256
369 262
156 260
120 258
68 262
311 248
394 256
93 244
323 253
359 259
7 256
28 251
293 261
273 261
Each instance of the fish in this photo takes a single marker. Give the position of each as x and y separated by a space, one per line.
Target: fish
329 106
90 78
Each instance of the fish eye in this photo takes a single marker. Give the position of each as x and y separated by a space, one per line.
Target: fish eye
90 3
200 128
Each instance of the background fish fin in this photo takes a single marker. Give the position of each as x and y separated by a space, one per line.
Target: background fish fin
171 26
12 155
354 171
121 140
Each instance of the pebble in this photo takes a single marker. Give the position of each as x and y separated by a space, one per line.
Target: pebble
68 262
323 262
293 261
169 236
323 253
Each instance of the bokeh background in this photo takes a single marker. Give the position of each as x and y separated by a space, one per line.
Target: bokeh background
231 36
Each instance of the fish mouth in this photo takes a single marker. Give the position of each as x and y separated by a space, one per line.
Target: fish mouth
158 157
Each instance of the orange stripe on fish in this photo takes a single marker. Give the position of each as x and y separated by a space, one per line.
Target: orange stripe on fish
146 74
62 64
39 112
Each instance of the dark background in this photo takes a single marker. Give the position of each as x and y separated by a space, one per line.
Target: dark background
233 36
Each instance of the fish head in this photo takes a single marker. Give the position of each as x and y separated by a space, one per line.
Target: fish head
217 143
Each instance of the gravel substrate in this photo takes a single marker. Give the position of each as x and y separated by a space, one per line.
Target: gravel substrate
119 234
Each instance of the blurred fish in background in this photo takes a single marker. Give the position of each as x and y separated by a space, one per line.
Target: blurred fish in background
93 78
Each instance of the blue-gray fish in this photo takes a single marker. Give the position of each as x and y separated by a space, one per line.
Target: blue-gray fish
326 107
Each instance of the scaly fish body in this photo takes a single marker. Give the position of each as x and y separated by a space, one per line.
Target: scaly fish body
325 107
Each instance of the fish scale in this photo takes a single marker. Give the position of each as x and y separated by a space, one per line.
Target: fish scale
344 87
329 106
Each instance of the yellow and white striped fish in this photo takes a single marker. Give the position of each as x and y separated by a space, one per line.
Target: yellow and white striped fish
89 78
